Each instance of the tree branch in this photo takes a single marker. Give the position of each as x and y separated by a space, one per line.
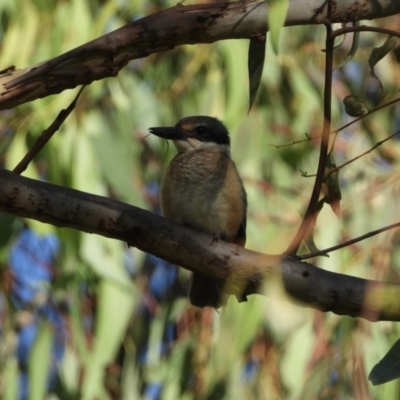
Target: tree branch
191 24
46 135
243 270
313 206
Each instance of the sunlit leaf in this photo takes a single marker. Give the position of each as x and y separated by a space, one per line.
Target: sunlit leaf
114 311
39 362
277 10
11 375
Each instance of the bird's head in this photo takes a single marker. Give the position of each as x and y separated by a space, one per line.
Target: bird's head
196 133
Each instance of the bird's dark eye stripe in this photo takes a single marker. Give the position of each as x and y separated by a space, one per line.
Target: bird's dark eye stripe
201 129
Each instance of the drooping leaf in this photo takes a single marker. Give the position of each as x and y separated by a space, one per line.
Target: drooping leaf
39 362
378 53
331 187
354 106
353 49
114 310
388 368
277 10
11 375
256 59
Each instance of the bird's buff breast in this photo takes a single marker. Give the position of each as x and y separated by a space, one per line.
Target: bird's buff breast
203 190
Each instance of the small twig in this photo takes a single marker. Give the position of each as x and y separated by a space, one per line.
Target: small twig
353 49
363 28
389 103
309 138
323 154
348 243
356 158
46 135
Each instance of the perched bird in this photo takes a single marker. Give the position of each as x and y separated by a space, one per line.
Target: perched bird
202 189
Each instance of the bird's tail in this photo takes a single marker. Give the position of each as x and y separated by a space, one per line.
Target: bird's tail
206 292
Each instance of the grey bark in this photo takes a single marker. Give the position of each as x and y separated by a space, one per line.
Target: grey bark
243 270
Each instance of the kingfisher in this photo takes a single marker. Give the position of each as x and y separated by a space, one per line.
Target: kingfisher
202 189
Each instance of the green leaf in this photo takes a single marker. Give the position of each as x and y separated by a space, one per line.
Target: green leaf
378 53
114 311
39 362
354 106
11 375
256 59
277 10
388 368
105 257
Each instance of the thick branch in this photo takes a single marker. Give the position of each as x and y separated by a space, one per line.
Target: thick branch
191 24
242 269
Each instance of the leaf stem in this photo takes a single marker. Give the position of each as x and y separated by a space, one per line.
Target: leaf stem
348 243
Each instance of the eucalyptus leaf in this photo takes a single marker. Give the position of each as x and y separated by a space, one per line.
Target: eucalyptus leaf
277 10
256 60
378 53
114 311
11 375
388 368
353 49
39 362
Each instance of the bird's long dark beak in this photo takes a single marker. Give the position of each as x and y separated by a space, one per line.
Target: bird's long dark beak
169 132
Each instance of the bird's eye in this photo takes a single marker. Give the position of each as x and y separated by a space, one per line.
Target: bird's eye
200 129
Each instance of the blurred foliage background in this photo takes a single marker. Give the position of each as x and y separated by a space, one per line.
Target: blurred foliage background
85 317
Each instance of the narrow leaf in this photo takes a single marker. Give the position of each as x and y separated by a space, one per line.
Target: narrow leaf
39 362
10 375
378 53
353 49
388 368
256 59
114 309
277 10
